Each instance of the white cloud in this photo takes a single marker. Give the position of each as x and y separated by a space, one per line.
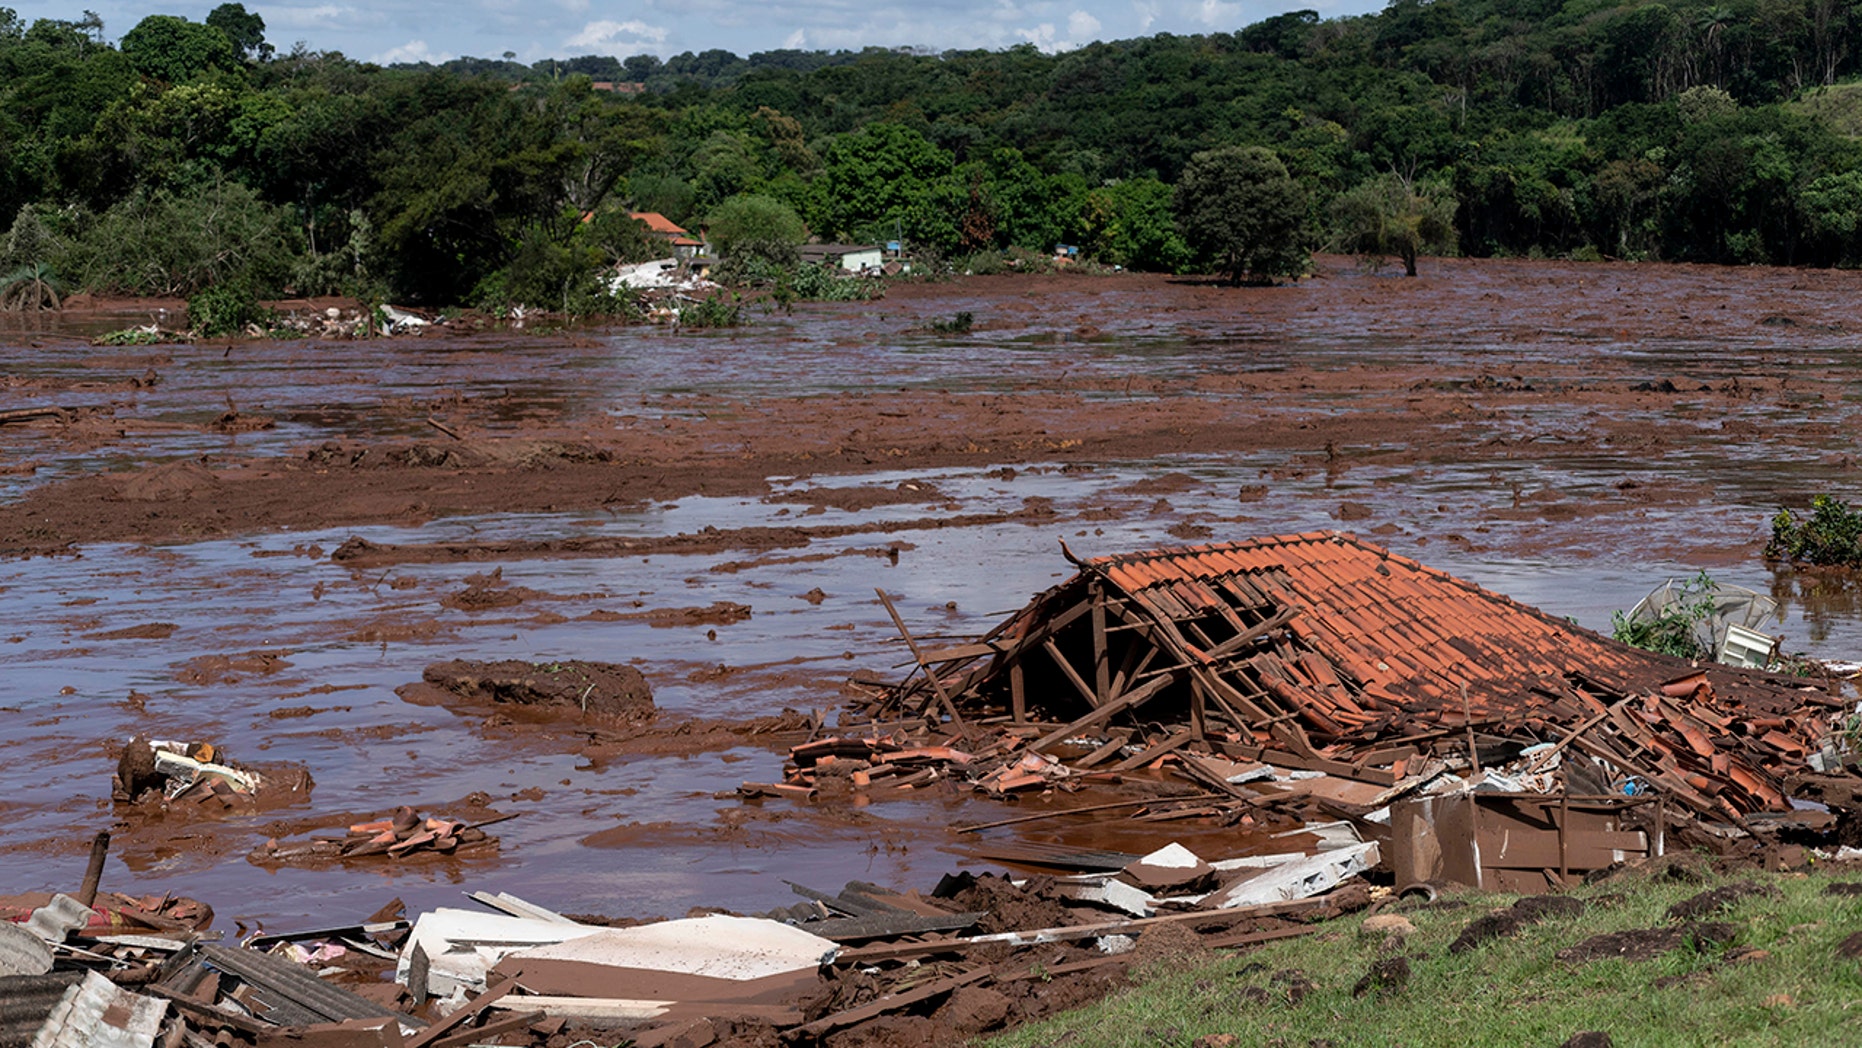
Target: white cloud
412 51
322 16
607 33
1082 27
1146 10
1220 14
796 41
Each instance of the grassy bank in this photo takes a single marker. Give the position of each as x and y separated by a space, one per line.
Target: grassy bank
1780 980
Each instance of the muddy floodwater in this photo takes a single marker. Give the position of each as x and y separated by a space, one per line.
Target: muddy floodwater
718 508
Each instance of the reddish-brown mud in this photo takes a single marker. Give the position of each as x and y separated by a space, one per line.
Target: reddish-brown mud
1590 387
258 543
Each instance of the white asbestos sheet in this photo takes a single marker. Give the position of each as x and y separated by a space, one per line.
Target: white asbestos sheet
1299 879
718 947
462 945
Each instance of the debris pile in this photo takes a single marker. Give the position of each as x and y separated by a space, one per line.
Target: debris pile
1323 656
403 834
1347 726
198 777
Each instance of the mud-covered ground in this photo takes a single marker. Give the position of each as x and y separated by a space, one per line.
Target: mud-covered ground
716 509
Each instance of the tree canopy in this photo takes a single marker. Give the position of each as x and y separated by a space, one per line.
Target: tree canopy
1688 131
1240 210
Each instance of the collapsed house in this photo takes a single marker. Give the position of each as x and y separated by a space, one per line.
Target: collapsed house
1322 652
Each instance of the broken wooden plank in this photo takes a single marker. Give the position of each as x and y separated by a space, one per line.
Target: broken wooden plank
937 686
1102 664
508 1024
890 1003
1106 749
956 654
1228 942
1283 759
886 926
1252 633
1066 669
896 950
1057 813
1129 700
1155 750
465 1013
1056 856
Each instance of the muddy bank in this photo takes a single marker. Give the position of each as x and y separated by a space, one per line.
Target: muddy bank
1518 362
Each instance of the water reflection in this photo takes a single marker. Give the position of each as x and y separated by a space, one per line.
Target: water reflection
1826 600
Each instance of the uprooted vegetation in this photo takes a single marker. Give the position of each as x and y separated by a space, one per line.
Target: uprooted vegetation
1674 630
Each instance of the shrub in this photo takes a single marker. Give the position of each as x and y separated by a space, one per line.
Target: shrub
1831 535
957 324
714 312
821 284
163 243
224 309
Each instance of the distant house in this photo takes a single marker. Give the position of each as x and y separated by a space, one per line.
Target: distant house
851 257
663 228
622 87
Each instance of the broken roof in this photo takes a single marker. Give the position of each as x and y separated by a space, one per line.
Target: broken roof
1323 645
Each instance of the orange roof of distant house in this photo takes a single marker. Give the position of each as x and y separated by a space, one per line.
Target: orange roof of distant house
658 223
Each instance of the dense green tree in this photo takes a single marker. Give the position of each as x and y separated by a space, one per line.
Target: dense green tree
1704 130
1393 215
1242 214
244 29
173 49
753 222
885 177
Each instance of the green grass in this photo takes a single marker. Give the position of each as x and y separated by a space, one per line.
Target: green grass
1512 992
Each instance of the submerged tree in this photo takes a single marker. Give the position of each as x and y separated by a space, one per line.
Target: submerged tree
1392 215
28 284
1238 207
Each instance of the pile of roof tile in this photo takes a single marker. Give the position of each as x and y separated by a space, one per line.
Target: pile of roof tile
1324 653
402 834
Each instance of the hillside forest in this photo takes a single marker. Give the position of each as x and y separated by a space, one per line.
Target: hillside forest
186 155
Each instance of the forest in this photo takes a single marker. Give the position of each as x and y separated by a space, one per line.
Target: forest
188 155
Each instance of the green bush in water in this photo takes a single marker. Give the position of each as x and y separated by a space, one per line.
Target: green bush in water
224 309
1830 535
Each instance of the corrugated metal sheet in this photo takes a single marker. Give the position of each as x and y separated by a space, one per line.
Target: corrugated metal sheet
25 1001
99 1014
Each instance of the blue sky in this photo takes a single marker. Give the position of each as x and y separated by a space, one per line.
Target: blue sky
436 30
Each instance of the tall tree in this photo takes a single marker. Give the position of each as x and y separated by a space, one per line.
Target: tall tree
171 48
1392 215
244 29
1239 209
